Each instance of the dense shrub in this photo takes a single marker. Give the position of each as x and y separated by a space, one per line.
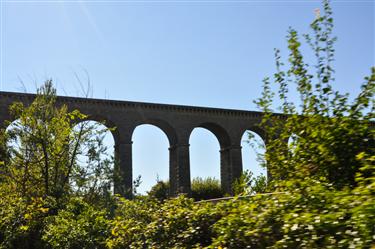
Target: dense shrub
22 221
309 214
205 188
313 215
248 184
201 189
78 225
160 190
176 223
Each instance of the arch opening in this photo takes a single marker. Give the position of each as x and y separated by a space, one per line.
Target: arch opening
253 149
14 142
292 142
204 154
150 156
95 158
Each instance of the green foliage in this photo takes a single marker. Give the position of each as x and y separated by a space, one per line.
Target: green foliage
43 147
248 184
205 188
40 168
313 215
330 130
176 223
79 225
201 189
21 222
160 191
310 215
132 217
320 194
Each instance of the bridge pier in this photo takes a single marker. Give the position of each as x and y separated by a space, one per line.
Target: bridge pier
230 167
123 182
180 169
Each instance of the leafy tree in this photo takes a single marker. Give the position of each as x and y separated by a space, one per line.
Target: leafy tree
330 130
41 167
44 147
248 184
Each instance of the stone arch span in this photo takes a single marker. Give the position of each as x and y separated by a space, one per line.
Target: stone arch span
220 133
163 125
176 121
105 121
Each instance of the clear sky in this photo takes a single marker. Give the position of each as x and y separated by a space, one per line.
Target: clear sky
205 53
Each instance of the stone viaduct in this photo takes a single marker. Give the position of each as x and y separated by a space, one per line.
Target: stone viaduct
176 121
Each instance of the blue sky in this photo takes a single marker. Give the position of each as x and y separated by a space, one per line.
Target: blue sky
205 53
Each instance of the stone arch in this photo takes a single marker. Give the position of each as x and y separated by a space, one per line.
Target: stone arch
256 129
220 133
167 129
115 134
106 122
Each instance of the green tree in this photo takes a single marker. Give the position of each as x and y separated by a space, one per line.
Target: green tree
44 145
248 184
41 170
330 130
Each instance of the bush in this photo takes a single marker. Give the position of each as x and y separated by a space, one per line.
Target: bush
22 221
201 189
310 214
330 130
160 190
205 188
128 228
248 184
176 223
79 225
313 215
